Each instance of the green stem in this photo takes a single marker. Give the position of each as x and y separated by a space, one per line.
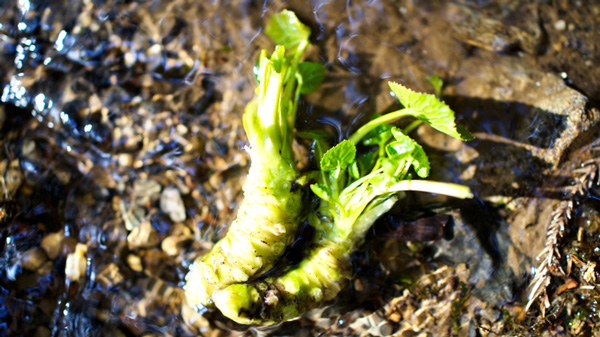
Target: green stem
365 129
413 125
290 97
303 44
451 190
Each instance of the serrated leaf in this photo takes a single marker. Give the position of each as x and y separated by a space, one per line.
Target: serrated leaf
464 133
429 109
285 29
312 76
420 160
339 156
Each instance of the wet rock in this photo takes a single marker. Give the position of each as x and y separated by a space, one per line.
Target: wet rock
571 48
110 275
131 217
193 318
12 174
172 204
33 259
142 236
135 262
438 140
550 115
145 191
174 245
52 244
527 232
475 27
76 264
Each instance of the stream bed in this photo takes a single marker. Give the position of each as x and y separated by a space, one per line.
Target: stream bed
122 160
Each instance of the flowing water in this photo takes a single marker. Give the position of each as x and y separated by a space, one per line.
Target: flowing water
122 160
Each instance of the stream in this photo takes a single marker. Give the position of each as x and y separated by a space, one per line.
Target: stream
122 156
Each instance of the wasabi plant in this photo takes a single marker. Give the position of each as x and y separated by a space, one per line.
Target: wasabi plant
270 212
354 191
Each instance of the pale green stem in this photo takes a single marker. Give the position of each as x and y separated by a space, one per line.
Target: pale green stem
413 125
365 129
449 189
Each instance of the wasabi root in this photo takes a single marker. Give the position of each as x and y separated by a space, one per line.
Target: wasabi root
270 212
355 190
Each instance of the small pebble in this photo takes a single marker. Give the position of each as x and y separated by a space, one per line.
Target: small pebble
193 318
110 275
142 236
154 50
33 259
94 103
172 204
560 25
125 159
181 129
135 262
386 329
76 263
51 244
129 59
172 245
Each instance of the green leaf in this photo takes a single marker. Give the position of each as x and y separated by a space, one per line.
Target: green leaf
354 171
320 191
437 84
378 136
366 161
464 133
339 156
399 148
420 161
285 29
278 59
428 108
312 76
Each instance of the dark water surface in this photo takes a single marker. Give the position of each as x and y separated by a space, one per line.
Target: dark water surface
122 159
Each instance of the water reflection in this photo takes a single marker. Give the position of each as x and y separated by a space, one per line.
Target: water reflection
14 92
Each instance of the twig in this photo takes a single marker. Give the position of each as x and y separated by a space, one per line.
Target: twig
585 181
